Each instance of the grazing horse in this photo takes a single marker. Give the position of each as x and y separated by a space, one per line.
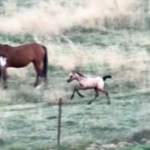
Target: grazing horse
21 56
96 83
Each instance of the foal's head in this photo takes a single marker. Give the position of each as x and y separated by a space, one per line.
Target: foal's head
74 76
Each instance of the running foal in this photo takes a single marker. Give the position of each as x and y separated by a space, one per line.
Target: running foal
96 83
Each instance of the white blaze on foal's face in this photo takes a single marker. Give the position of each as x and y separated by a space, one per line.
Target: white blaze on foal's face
2 61
71 77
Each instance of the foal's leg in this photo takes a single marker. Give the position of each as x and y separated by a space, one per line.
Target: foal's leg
79 93
72 96
107 95
76 90
96 95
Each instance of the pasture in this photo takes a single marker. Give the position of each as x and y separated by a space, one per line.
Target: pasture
92 44
29 115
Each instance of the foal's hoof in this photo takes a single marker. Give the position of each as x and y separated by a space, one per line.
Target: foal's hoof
89 103
108 103
71 97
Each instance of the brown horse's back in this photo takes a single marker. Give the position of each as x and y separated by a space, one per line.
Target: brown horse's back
21 56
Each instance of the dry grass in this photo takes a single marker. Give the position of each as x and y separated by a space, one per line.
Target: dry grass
55 17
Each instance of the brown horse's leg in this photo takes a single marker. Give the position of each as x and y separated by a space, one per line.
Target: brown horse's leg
38 73
0 73
4 77
107 95
96 95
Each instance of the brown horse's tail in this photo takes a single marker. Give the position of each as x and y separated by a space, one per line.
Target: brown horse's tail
45 63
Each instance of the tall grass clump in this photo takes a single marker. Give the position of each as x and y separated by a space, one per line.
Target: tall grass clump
16 38
56 17
27 95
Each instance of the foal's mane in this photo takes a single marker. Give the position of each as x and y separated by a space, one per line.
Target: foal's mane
80 74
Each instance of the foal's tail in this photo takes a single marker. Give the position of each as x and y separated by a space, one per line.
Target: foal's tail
106 77
45 63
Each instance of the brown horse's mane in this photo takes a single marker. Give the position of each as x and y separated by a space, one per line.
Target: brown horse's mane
5 45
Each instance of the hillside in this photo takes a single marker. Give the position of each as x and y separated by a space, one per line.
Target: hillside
95 37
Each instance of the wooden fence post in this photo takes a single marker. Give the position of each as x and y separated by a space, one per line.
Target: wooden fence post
59 121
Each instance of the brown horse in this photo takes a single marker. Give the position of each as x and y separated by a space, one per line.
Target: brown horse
21 56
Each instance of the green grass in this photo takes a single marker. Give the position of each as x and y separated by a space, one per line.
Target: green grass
16 38
34 126
139 147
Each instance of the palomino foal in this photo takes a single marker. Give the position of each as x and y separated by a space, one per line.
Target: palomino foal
96 83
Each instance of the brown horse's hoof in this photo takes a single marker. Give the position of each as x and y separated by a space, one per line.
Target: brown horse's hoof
5 87
35 84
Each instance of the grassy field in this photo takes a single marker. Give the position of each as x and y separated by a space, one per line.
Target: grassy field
115 42
34 126
29 116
